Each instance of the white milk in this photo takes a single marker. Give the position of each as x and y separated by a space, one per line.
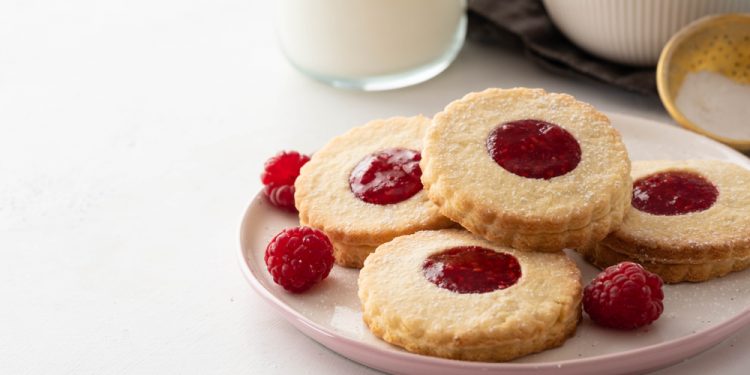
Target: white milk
367 38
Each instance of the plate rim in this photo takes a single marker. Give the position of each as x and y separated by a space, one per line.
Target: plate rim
648 357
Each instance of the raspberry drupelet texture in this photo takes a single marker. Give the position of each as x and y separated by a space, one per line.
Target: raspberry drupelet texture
624 296
278 177
299 257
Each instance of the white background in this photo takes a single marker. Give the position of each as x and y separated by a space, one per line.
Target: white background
133 135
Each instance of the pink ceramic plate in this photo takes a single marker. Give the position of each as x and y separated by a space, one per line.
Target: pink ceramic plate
696 316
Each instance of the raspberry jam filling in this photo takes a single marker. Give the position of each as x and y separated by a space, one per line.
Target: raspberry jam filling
471 269
534 149
388 176
673 193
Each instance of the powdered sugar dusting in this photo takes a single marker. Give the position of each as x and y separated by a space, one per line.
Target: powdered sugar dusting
571 201
719 232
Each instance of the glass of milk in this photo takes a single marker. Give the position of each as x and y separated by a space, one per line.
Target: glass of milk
371 44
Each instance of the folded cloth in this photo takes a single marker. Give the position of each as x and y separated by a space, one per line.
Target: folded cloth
527 22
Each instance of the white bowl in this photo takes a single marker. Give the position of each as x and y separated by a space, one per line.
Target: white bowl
631 32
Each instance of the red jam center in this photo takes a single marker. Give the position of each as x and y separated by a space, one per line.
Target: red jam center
673 193
388 176
534 149
471 269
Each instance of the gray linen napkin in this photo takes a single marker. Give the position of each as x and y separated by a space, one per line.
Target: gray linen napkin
526 22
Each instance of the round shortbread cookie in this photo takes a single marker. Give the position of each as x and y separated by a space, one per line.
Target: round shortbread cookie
325 200
401 306
694 246
573 209
603 256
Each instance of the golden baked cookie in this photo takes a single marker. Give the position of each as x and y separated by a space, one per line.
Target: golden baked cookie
527 169
689 221
452 294
363 188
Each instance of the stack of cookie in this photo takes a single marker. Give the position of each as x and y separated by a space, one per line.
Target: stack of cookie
689 221
521 174
363 188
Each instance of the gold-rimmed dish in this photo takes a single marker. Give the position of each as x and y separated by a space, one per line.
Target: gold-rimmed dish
719 44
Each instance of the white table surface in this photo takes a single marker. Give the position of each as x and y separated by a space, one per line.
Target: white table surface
133 135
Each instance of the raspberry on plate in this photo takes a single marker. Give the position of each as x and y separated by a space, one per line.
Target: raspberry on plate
624 296
279 174
299 257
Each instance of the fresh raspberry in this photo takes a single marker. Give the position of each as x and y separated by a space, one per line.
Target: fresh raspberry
624 296
278 177
299 257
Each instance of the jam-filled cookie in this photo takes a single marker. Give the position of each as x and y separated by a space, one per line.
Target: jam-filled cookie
528 169
451 294
363 188
689 221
